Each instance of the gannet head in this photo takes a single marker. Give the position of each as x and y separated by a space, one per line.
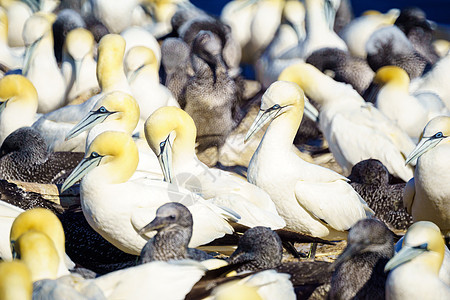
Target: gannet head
111 50
278 98
113 106
79 44
36 28
436 131
168 216
18 91
138 58
423 243
158 128
42 220
393 76
37 251
15 281
115 152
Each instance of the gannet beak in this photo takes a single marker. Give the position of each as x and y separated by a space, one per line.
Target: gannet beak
406 254
165 159
3 105
85 165
263 117
77 71
28 54
93 118
156 224
310 111
134 74
425 144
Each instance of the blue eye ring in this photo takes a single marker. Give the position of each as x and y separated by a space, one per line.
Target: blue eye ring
102 110
94 154
276 106
162 144
439 135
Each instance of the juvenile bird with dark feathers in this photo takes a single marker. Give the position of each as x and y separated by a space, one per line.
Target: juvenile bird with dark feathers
359 270
24 157
173 223
370 179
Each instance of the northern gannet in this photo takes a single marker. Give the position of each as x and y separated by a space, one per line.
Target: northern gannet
19 102
142 68
372 181
173 226
312 200
39 55
359 270
137 36
424 198
105 171
24 157
18 12
78 63
15 281
344 110
8 56
181 166
356 33
414 269
8 214
410 111
111 77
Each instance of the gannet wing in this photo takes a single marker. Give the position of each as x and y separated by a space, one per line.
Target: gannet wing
408 195
335 203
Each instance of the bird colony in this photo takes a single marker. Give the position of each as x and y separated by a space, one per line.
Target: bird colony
285 149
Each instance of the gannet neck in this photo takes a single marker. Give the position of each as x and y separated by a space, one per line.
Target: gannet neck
110 72
314 83
393 77
79 43
38 252
120 157
316 22
15 281
3 26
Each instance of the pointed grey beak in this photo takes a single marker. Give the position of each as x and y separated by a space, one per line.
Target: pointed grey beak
28 55
134 74
3 105
77 64
425 144
406 254
87 164
310 111
165 159
93 118
156 224
263 117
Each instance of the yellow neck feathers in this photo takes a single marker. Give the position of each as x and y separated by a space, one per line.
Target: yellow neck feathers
110 61
15 281
126 107
392 76
18 89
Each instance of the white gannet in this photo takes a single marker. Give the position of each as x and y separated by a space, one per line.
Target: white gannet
414 269
8 57
138 36
18 104
344 110
78 63
44 221
142 66
55 125
424 198
117 208
312 200
411 112
356 33
181 166
18 12
118 111
8 213
435 80
39 56
15 281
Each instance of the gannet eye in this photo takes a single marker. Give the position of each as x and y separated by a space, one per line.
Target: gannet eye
423 246
276 106
162 144
102 110
172 217
439 135
94 154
